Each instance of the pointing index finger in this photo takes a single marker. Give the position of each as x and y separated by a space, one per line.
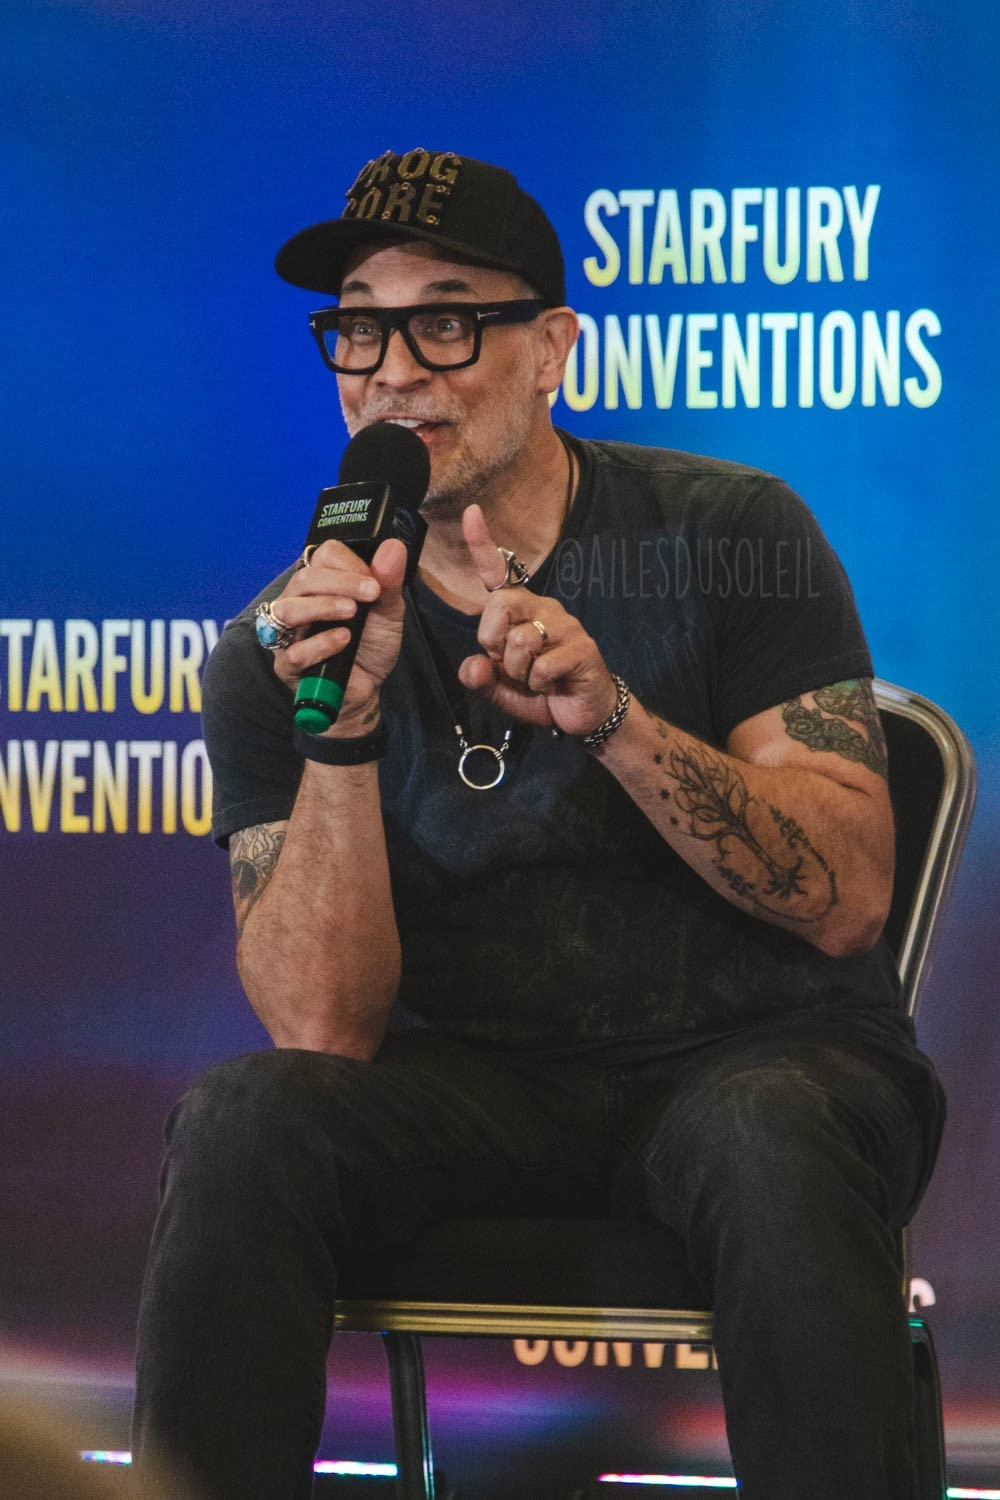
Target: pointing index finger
487 559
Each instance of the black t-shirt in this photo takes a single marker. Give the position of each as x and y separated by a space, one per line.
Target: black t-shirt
547 913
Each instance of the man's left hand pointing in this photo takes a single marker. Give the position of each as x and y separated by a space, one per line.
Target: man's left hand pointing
540 666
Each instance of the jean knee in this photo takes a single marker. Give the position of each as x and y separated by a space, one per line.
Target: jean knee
252 1115
750 1133
768 1109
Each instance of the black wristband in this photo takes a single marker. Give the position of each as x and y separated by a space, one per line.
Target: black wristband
353 752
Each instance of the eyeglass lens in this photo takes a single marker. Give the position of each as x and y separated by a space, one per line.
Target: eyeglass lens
354 340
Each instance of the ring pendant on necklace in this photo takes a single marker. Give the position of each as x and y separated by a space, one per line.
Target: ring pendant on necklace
497 753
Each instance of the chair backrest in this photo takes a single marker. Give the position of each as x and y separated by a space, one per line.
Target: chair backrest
932 780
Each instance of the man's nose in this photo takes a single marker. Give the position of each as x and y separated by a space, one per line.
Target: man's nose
399 367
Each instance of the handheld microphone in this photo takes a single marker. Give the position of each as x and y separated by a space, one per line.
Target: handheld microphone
384 475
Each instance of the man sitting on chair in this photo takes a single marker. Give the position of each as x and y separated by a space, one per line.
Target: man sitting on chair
622 959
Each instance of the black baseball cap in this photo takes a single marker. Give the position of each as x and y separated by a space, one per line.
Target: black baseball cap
453 201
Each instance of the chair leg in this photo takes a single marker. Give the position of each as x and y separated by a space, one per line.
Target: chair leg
414 1465
932 1482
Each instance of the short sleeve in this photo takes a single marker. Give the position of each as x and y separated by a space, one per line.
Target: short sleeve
247 724
787 620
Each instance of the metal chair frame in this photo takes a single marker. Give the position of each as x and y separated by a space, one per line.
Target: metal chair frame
402 1322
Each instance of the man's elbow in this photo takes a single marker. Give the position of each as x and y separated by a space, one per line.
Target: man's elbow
855 930
361 1043
345 1014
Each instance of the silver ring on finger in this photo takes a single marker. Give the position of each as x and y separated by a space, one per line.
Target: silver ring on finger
515 573
272 632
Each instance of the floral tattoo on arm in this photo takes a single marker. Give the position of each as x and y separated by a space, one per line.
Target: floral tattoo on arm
253 855
831 725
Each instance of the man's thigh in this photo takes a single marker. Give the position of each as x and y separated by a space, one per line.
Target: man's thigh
752 1115
445 1129
432 1128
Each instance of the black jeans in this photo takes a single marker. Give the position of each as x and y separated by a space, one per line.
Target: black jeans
786 1157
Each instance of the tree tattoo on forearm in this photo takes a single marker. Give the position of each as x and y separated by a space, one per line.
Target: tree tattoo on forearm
785 877
846 704
253 856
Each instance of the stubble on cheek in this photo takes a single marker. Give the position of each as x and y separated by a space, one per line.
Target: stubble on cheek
481 448
477 444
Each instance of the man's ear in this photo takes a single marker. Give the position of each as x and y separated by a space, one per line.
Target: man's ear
558 330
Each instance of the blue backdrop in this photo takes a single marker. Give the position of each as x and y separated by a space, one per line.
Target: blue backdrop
779 224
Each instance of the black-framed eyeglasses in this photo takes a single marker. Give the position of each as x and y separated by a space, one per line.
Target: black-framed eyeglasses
439 335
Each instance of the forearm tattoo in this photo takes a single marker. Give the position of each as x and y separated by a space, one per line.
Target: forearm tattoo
764 857
253 855
830 725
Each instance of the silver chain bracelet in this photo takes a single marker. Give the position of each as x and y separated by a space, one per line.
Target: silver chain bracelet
615 718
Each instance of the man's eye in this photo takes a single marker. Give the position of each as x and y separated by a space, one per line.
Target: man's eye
359 330
443 328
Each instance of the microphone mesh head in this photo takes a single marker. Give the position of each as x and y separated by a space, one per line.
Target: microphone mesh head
384 453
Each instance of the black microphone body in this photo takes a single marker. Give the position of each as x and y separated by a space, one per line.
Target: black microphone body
383 477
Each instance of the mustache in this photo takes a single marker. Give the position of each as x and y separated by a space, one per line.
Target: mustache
378 409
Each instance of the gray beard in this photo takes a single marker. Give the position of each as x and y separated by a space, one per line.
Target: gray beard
471 478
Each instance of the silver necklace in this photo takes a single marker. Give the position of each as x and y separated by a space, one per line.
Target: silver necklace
496 751
495 763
